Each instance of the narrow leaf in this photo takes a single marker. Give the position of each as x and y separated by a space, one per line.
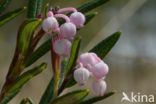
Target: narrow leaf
91 5
45 9
39 7
24 38
71 98
3 5
26 101
48 94
63 70
11 15
25 34
25 77
70 83
32 9
21 80
102 48
71 62
42 50
73 54
96 99
90 16
8 97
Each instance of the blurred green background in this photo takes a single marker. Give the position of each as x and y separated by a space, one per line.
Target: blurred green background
132 61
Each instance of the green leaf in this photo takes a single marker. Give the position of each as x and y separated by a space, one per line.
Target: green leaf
11 15
24 38
96 99
91 5
66 82
3 5
43 49
32 9
102 48
70 83
73 54
26 101
8 97
39 7
63 70
90 16
71 98
71 62
25 34
72 59
25 77
48 94
45 9
20 81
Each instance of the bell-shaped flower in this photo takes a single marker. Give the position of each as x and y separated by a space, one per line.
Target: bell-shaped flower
62 47
50 14
88 60
78 19
81 75
100 70
99 87
68 30
50 25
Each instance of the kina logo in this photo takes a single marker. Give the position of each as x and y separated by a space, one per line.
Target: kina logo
137 97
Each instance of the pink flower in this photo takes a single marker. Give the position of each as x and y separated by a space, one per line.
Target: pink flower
50 14
78 19
68 30
96 67
66 18
68 9
88 60
81 75
50 24
62 47
100 70
99 87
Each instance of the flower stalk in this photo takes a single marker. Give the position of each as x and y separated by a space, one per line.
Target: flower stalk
56 72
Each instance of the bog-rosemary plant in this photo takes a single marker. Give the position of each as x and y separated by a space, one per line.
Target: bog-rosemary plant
68 66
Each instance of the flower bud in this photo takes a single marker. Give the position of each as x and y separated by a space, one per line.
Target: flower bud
81 75
99 87
78 19
67 10
88 59
100 70
50 24
62 47
68 30
50 14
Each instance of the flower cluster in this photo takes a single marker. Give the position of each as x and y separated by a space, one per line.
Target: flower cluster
66 31
89 64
